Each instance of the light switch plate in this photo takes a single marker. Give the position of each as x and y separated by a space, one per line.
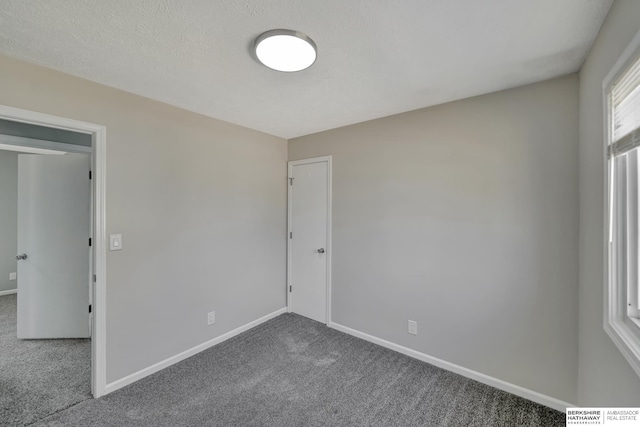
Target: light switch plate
12 276
115 242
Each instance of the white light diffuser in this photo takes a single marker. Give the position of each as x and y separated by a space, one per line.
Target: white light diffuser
285 50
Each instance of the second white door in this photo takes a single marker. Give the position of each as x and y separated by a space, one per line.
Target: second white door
308 239
53 245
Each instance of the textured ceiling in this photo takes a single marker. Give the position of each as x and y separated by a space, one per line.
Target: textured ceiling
375 57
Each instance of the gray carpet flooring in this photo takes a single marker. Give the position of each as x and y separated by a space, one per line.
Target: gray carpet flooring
292 371
39 377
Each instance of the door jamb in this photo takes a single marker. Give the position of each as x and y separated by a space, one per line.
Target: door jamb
329 252
98 288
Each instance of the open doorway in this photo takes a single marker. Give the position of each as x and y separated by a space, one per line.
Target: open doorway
57 345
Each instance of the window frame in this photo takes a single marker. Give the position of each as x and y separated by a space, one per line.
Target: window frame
620 322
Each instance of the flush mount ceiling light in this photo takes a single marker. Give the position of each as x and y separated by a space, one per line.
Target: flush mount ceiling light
285 50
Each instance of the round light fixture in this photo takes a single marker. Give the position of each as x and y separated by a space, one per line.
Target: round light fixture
285 50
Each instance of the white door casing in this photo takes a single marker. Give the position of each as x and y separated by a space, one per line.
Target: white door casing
54 207
99 266
309 248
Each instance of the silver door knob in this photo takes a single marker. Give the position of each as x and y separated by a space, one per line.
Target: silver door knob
21 256
321 250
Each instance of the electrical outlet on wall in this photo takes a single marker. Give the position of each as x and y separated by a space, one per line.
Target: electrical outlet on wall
211 318
12 276
413 327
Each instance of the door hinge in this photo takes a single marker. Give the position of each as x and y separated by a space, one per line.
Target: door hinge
89 308
290 181
290 288
89 174
94 278
291 234
89 241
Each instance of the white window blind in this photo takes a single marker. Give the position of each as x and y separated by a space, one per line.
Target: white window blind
625 106
622 296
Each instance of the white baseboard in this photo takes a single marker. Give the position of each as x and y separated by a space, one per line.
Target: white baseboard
534 396
9 292
115 385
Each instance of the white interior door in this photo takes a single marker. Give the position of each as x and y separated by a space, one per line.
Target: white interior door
308 239
53 232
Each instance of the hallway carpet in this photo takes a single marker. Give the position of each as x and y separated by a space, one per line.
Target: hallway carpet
39 377
292 371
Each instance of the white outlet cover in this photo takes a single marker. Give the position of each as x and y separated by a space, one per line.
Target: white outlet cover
413 327
13 276
211 318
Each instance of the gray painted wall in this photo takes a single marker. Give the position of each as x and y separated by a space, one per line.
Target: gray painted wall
8 217
463 217
201 205
605 378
